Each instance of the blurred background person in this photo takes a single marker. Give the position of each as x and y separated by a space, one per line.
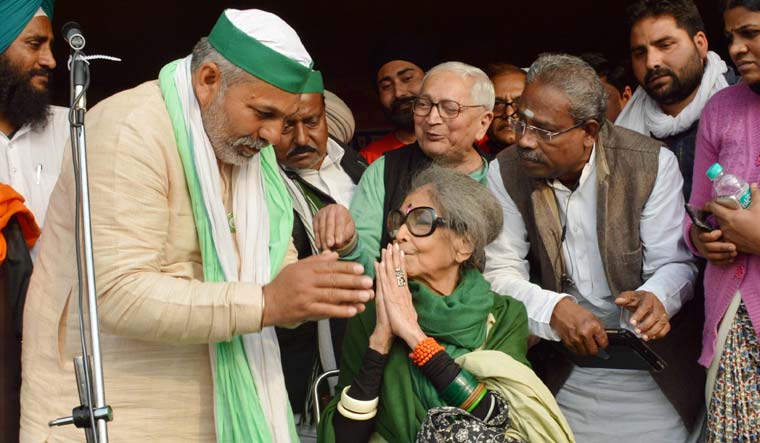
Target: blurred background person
617 80
397 66
508 84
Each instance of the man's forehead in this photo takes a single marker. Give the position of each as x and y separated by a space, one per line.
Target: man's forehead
446 85
38 26
395 68
310 104
511 77
653 28
509 83
265 97
544 104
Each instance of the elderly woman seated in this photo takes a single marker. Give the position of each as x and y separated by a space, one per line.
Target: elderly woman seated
440 357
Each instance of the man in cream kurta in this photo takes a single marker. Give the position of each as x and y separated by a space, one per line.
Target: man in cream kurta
157 314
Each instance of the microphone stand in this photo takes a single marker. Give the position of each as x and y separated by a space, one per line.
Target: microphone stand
88 369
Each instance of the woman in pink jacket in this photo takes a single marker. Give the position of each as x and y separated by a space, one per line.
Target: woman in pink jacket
729 133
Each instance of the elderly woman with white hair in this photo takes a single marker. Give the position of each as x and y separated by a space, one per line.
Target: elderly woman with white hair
438 353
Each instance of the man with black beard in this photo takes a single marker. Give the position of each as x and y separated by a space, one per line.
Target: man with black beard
677 76
397 67
32 133
317 170
676 73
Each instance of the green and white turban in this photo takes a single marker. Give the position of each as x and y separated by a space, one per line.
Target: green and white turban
266 47
15 14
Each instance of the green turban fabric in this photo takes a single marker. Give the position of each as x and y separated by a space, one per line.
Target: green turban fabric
14 16
314 85
263 45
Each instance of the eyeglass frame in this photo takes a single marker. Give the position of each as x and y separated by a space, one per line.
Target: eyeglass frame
437 221
541 133
503 115
437 106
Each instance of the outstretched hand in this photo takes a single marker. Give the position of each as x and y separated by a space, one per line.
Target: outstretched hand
314 288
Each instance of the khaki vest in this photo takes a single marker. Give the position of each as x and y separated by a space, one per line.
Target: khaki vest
627 164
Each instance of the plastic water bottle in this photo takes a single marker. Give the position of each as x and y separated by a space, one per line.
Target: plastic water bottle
729 185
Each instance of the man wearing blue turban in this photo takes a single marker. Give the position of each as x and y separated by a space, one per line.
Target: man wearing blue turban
32 132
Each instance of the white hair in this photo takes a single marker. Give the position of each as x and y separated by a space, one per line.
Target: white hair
232 74
481 92
577 79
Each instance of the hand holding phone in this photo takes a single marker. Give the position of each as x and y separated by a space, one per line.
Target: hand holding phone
712 247
699 217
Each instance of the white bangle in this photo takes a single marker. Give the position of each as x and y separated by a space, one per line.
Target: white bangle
358 406
353 415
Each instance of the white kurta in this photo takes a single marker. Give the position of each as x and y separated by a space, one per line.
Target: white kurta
30 162
595 412
330 178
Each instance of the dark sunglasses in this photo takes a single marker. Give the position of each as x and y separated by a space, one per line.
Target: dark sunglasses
420 221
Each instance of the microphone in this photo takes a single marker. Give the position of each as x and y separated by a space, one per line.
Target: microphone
72 34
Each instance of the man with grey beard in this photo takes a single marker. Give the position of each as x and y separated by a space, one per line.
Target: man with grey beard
591 242
194 260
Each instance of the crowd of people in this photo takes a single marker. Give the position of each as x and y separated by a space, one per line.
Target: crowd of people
502 266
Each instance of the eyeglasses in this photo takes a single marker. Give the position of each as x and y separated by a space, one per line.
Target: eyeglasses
500 108
522 127
420 221
446 108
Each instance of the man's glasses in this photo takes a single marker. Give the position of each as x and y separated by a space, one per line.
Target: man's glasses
503 109
522 127
420 221
446 108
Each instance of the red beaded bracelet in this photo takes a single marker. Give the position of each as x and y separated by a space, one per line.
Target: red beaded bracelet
425 350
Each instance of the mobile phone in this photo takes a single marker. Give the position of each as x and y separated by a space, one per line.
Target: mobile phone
626 338
699 217
624 351
728 201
